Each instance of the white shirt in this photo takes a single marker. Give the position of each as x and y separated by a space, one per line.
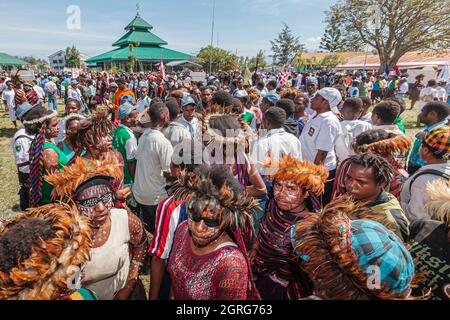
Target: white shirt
21 143
153 157
74 94
427 95
389 128
441 94
320 133
193 127
367 117
403 88
40 92
51 88
413 203
310 110
279 143
176 133
142 104
350 130
8 96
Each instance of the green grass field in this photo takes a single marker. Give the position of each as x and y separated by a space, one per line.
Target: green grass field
9 198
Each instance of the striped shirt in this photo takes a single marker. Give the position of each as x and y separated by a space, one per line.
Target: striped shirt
169 215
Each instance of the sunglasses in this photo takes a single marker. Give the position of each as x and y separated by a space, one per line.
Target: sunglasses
196 217
93 202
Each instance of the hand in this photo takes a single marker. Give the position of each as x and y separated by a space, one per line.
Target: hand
123 294
123 194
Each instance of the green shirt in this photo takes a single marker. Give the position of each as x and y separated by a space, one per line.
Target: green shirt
125 142
248 117
363 90
400 125
47 187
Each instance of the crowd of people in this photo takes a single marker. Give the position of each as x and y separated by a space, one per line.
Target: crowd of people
304 187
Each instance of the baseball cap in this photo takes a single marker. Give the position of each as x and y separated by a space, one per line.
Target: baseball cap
312 80
332 95
125 109
74 82
272 97
187 101
23 109
127 98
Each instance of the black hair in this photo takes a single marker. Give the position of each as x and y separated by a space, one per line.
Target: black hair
399 101
367 102
275 116
74 101
224 122
431 83
237 106
371 136
442 109
155 112
18 241
272 83
287 105
174 108
355 104
382 169
156 100
222 98
219 175
35 113
387 110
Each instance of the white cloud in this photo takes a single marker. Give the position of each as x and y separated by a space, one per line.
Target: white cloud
313 42
78 35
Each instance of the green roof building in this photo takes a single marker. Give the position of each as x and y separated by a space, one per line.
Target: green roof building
7 62
141 44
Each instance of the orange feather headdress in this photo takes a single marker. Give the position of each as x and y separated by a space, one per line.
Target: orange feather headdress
399 144
307 175
54 261
66 182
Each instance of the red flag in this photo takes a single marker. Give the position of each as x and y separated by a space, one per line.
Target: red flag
162 70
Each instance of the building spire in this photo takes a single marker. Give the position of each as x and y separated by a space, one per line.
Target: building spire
137 8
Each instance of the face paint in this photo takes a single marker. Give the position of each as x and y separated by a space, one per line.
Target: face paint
202 212
96 203
104 143
288 195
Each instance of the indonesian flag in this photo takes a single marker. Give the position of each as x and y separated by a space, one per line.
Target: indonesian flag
162 70
283 77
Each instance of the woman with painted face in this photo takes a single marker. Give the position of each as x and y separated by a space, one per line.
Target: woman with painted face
278 275
209 258
45 157
119 240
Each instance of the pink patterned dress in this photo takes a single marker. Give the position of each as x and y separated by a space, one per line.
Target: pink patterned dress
219 275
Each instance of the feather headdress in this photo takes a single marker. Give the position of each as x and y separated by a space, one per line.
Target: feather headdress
53 262
324 245
66 182
399 144
439 204
307 175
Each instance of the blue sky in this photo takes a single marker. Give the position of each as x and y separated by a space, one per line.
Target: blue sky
39 28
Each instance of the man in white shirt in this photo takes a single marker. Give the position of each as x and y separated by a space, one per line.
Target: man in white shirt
175 132
402 88
40 92
144 100
21 143
319 135
51 91
74 92
8 97
435 150
189 119
441 92
351 128
153 157
428 94
276 142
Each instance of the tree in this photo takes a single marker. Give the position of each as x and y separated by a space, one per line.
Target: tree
73 59
285 47
221 59
257 62
394 27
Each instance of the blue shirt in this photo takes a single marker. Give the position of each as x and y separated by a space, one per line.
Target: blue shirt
415 158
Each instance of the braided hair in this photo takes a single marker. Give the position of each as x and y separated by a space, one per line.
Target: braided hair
37 161
382 169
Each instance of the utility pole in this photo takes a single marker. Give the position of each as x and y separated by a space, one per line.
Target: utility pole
212 35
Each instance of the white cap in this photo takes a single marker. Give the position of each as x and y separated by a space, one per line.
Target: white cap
333 96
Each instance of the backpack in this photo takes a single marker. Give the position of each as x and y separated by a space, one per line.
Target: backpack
428 171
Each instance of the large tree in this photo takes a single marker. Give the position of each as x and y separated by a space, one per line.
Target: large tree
336 38
220 59
394 27
286 46
73 59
